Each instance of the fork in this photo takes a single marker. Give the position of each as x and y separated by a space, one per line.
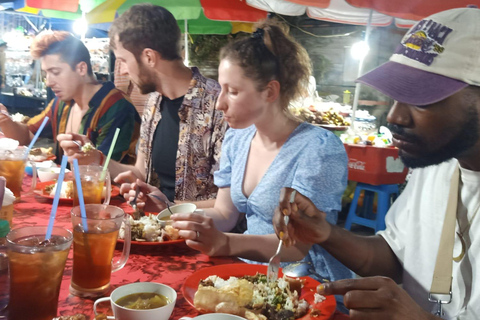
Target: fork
133 203
274 263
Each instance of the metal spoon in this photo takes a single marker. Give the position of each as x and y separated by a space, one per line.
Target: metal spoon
167 202
302 269
168 207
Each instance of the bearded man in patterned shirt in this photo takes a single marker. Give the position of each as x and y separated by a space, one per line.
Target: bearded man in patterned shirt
181 132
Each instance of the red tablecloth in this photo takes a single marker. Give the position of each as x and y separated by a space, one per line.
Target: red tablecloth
168 264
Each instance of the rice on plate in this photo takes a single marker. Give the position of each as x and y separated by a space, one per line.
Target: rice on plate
148 229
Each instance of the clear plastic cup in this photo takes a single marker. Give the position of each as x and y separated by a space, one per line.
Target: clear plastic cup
92 185
12 167
36 270
94 246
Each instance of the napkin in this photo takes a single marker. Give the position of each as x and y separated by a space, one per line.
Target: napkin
6 196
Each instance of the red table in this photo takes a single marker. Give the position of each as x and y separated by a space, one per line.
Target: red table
167 264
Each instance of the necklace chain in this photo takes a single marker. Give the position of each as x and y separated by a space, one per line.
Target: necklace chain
469 221
464 231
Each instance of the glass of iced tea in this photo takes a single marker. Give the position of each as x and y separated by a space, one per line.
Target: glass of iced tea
36 270
92 185
94 240
12 167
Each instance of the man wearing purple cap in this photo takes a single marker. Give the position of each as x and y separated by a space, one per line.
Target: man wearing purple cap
432 241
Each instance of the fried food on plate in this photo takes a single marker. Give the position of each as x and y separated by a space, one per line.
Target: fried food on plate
250 297
40 154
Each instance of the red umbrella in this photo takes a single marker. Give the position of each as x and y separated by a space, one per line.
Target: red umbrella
64 5
231 10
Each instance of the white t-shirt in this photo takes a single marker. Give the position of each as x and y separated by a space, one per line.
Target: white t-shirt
414 226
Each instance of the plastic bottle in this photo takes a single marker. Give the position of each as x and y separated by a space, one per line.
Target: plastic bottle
347 95
4 281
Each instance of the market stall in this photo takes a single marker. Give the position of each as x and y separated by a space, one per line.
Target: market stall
24 90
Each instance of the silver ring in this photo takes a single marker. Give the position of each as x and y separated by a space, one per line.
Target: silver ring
78 144
198 234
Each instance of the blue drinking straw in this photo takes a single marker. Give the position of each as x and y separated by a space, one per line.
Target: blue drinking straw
81 201
37 134
56 199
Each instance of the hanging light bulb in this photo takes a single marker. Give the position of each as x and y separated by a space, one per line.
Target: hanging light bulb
359 50
80 26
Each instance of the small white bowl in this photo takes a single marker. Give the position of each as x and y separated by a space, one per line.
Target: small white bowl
49 174
43 164
122 313
164 216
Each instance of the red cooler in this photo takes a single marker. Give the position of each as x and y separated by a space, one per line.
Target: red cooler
375 165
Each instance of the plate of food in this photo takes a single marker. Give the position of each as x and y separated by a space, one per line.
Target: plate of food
147 231
333 127
41 154
242 289
47 190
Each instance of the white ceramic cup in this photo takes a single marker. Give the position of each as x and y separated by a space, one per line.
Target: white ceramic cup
164 216
121 313
215 316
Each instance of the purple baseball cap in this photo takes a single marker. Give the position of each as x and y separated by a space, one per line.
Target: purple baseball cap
436 58
410 85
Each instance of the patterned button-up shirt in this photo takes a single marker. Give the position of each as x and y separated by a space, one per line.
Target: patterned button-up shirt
109 109
202 129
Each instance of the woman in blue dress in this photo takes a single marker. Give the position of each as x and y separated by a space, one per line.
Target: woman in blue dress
265 149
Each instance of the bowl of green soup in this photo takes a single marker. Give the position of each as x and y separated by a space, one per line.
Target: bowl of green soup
141 301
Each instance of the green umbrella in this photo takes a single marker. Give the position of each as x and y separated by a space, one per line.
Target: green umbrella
181 9
203 25
61 14
190 10
85 6
101 11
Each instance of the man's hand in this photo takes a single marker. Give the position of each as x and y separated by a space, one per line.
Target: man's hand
126 177
375 298
307 223
72 143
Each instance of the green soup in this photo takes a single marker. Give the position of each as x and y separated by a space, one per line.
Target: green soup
143 300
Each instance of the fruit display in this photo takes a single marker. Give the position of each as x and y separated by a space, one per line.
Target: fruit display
311 115
334 118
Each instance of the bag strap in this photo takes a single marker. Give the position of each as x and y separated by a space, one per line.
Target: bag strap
441 289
